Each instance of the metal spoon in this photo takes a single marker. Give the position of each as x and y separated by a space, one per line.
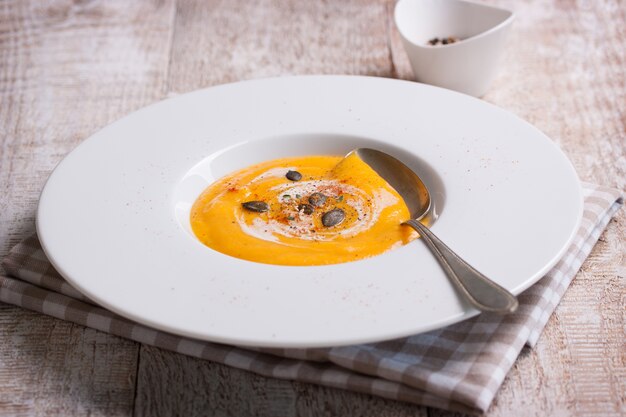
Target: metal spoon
480 291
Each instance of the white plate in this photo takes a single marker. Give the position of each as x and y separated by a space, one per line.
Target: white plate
113 216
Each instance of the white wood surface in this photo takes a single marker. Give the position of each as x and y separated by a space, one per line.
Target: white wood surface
67 68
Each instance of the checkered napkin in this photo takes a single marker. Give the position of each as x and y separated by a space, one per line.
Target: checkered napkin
459 367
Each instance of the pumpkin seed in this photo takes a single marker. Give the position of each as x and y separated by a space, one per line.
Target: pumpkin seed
293 175
333 217
317 199
306 208
256 206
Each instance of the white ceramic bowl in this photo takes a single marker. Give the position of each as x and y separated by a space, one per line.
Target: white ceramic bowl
114 216
467 66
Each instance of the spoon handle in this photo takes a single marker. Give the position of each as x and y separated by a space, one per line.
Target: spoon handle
480 291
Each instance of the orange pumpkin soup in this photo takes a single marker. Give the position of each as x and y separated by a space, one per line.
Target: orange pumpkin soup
313 210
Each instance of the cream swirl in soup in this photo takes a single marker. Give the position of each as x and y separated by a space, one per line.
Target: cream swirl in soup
332 210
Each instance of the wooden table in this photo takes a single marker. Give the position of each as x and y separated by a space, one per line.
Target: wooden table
67 68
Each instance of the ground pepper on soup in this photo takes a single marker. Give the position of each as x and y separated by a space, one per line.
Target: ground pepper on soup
313 210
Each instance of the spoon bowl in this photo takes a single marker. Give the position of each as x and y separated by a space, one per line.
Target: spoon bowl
401 178
483 293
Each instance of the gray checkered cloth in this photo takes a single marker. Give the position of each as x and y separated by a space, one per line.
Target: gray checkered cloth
459 367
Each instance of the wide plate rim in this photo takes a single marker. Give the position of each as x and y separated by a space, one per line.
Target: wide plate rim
270 343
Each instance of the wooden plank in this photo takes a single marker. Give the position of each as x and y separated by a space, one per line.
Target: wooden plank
174 384
52 367
219 42
66 69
